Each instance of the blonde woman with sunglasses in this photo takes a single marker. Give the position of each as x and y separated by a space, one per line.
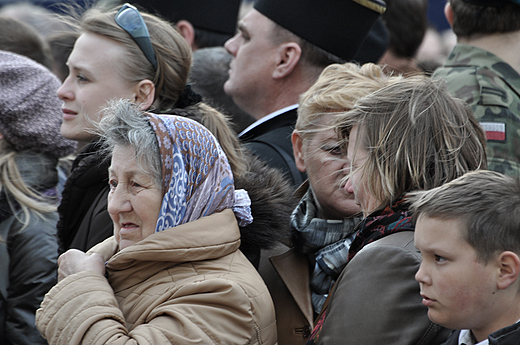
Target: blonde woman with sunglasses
121 53
155 258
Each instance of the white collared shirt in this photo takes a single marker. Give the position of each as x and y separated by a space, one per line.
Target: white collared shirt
267 117
466 338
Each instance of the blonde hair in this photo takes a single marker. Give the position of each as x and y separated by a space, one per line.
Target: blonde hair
336 91
417 137
171 50
13 185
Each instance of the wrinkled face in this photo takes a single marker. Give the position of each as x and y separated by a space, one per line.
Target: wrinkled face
134 201
93 79
356 184
254 60
326 166
458 290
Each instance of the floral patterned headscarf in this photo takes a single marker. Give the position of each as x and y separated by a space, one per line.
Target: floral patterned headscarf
197 179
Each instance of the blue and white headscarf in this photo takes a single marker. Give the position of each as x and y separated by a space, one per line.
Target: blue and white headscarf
197 179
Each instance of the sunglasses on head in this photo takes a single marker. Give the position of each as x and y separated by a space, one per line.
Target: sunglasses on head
130 20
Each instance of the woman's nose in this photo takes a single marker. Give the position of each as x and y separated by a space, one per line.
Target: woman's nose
348 186
118 201
65 92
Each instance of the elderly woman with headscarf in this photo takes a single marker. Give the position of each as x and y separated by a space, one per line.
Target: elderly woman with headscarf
172 272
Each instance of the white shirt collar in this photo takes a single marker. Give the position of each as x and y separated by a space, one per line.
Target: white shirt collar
466 338
267 117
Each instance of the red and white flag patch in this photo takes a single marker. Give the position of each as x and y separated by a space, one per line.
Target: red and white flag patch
495 131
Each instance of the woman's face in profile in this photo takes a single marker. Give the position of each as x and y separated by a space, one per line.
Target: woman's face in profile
134 200
94 78
326 165
357 182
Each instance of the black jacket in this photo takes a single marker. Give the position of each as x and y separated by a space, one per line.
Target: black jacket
509 335
271 141
84 219
28 256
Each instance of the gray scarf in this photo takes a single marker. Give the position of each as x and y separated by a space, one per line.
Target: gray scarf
328 240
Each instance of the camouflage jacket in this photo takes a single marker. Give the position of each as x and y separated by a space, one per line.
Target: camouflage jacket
492 88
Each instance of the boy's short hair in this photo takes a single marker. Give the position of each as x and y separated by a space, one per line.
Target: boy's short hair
472 19
487 203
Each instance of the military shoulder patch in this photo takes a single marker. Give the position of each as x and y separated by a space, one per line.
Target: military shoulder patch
495 131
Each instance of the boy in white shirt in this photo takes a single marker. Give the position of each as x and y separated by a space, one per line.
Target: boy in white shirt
468 233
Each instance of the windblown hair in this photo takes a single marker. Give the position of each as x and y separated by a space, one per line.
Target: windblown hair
61 45
171 51
471 19
486 202
335 92
417 137
125 125
16 190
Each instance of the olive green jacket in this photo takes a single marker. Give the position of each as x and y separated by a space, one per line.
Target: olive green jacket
492 88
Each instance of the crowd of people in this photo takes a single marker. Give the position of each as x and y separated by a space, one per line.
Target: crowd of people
259 172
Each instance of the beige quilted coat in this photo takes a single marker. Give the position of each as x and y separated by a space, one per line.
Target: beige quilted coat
186 285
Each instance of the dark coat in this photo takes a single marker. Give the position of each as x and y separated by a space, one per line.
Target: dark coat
84 219
28 257
271 141
272 203
376 299
286 273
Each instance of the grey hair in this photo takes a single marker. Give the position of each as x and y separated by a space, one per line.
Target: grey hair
123 124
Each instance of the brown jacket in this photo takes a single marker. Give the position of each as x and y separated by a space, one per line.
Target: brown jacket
286 274
376 299
185 285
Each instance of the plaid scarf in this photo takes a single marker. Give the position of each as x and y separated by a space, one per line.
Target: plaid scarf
394 218
328 240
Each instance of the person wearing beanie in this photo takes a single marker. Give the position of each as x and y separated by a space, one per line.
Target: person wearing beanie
483 69
279 51
30 147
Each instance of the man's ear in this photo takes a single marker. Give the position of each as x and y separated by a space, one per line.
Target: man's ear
297 144
448 12
509 264
289 55
187 31
144 94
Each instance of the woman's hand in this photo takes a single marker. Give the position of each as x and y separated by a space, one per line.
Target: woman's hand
75 261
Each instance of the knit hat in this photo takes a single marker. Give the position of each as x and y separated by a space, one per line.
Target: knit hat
30 110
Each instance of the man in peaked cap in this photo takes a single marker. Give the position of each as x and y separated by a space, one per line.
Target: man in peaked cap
279 51
483 69
203 23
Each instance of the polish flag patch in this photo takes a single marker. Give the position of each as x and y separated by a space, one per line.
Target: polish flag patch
495 131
